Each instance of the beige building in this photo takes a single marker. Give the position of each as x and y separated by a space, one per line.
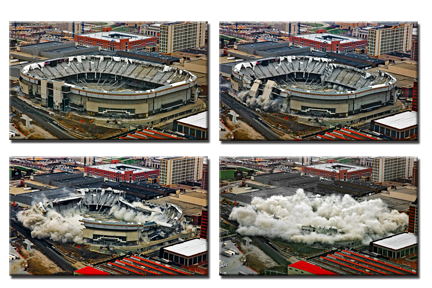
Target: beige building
177 36
68 26
289 27
178 169
391 168
386 39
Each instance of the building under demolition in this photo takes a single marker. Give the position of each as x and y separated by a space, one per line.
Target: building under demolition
106 217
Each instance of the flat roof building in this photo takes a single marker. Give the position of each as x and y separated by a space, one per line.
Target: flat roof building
177 36
402 126
195 125
113 41
396 246
329 42
187 253
306 268
337 171
386 39
121 172
180 169
391 168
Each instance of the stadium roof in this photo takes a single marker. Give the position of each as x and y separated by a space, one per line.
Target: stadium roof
199 120
398 242
337 166
306 266
400 121
115 36
121 168
327 37
90 271
189 248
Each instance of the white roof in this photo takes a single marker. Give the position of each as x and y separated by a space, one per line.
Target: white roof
198 120
319 37
189 248
337 166
398 242
106 36
124 167
400 121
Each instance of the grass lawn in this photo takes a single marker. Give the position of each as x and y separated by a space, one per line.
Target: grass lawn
312 24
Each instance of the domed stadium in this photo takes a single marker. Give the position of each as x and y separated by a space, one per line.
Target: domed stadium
105 86
305 85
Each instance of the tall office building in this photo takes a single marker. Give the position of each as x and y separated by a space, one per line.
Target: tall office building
292 28
391 168
386 39
178 169
413 217
177 36
204 222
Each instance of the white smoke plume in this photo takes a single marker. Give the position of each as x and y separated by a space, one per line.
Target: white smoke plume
130 215
57 227
283 217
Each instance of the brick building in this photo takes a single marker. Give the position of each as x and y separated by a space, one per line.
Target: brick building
337 171
114 41
121 172
329 42
415 96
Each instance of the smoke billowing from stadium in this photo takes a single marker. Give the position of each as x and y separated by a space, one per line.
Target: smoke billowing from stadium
264 103
283 217
130 215
55 226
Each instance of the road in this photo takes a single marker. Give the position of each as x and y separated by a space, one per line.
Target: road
44 246
44 120
250 117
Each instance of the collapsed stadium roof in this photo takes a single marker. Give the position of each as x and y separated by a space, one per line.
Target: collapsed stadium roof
334 79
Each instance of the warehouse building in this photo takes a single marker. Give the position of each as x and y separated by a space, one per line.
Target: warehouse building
402 126
337 171
348 263
329 42
195 125
121 172
395 246
187 253
306 268
56 49
113 41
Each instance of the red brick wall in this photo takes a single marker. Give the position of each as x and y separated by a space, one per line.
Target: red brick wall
82 39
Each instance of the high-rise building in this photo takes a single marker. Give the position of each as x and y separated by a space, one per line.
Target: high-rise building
289 27
415 96
204 223
413 217
204 181
386 39
414 48
414 181
391 168
177 36
179 169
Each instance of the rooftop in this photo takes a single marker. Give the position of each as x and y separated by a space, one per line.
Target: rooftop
400 121
90 271
328 38
121 168
115 36
337 166
398 241
189 248
199 120
306 266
